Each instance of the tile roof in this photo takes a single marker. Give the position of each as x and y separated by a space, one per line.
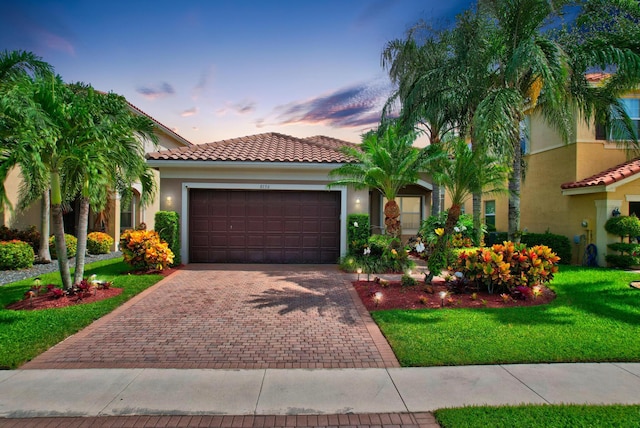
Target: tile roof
597 77
162 126
605 178
268 147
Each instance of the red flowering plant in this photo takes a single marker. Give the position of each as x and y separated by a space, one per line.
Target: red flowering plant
144 249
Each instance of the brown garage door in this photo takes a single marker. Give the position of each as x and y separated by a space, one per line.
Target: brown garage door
245 226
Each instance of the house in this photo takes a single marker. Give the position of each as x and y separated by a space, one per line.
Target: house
115 218
572 189
264 199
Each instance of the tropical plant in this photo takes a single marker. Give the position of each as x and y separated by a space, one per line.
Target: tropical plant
99 243
386 161
23 125
108 155
144 249
15 255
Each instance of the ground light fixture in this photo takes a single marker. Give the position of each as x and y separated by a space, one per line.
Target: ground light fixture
377 297
359 271
443 295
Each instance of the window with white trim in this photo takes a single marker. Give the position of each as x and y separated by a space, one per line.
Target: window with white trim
490 214
617 131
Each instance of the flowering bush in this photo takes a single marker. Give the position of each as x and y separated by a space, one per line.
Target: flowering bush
15 255
145 250
71 243
507 266
99 243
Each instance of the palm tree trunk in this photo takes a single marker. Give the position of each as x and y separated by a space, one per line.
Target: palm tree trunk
58 230
452 219
478 235
83 224
514 195
44 255
435 199
392 218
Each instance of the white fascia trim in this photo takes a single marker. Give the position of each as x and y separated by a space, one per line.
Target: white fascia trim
632 198
234 164
425 184
265 187
622 182
585 190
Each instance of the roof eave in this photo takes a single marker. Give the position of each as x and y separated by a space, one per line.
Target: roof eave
240 164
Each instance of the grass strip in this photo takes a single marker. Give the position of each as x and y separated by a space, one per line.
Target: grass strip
542 416
26 334
595 318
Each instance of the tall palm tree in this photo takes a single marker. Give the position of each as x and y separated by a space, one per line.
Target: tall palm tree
440 74
110 159
19 120
387 161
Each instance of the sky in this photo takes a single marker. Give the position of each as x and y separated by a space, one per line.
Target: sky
219 69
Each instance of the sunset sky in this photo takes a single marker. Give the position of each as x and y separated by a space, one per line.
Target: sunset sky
218 69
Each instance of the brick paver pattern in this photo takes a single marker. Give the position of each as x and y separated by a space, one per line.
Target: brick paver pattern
390 420
233 316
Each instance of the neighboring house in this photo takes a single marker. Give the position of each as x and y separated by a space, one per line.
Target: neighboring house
115 218
264 199
572 189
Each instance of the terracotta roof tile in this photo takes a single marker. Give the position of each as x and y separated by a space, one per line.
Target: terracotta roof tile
596 77
610 176
269 147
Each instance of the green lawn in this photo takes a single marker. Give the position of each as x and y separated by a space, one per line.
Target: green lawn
595 317
25 334
533 416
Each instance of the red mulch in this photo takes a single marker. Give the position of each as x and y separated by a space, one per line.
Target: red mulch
395 296
48 300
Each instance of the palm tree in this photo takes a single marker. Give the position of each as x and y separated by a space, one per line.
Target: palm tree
465 172
387 161
110 159
21 120
441 81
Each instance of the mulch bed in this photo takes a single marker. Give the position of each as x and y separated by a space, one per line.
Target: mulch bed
395 296
48 300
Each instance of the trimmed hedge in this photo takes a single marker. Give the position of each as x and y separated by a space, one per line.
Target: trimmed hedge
168 227
15 255
358 232
71 243
30 235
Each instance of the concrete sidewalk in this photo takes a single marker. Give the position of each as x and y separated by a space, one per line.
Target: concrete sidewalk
121 392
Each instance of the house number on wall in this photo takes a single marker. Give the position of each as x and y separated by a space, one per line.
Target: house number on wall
264 186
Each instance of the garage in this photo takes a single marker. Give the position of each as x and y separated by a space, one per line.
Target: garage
263 226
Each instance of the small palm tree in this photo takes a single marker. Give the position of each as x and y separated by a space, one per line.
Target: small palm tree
387 161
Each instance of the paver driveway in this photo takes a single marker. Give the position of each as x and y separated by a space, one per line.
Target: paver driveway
233 316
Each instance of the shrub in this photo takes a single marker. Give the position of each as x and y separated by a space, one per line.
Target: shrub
71 243
504 267
358 232
168 227
15 255
143 249
99 243
407 281
30 235
379 244
463 236
624 227
387 255
559 244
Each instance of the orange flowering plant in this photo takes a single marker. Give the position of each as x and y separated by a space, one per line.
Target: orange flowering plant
145 250
99 243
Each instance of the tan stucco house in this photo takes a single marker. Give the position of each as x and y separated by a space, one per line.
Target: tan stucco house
572 189
264 199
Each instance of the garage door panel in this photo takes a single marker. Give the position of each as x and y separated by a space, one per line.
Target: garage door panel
239 226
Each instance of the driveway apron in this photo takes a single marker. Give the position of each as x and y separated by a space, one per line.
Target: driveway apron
233 316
